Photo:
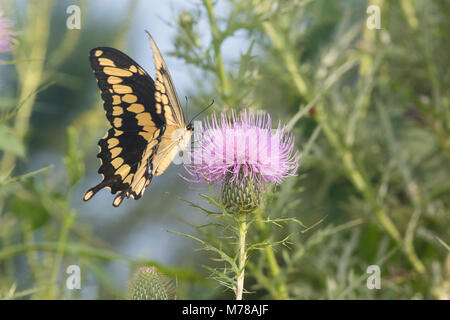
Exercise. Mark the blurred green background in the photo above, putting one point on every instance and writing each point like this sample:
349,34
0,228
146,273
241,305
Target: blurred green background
370,109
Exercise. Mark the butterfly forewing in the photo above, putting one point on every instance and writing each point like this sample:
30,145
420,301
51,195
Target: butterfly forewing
144,116
166,95
128,93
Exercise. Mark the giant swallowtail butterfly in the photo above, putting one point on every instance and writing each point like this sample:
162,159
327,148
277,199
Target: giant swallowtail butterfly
148,126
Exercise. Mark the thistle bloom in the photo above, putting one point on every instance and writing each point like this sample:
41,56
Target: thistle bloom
6,34
241,148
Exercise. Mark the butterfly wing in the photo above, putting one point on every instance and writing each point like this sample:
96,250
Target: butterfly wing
166,95
127,150
167,99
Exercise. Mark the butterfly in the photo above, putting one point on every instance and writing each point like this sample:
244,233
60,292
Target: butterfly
147,123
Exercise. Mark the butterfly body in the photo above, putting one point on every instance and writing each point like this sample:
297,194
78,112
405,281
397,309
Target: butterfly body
147,123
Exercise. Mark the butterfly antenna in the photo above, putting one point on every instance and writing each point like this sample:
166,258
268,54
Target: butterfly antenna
209,106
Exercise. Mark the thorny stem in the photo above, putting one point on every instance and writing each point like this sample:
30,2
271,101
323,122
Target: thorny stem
242,227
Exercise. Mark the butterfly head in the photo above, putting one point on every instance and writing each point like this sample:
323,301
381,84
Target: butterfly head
190,127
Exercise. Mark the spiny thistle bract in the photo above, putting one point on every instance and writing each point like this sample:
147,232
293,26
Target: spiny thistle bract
243,154
6,34
148,284
241,197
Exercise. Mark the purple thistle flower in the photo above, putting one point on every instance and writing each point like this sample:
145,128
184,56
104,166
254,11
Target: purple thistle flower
6,34
242,147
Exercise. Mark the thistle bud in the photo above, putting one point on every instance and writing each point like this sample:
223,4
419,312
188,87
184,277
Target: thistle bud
148,284
242,195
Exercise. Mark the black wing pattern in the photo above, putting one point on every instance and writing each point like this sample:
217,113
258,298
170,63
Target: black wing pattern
127,150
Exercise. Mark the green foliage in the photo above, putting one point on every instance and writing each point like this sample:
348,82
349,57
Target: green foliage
9,143
225,238
38,220
371,116
74,158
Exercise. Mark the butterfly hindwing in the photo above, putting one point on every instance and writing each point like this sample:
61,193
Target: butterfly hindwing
126,151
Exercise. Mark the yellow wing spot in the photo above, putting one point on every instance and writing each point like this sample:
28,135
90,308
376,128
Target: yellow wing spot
128,178
146,135
149,134
136,108
115,152
158,74
98,53
158,96
160,87
117,162
149,128
144,119
156,133
117,111
111,90
117,201
117,132
114,80
129,98
110,71
123,170
164,98
88,195
133,69
140,185
116,99
141,72
117,122
121,89
105,62
158,108
113,142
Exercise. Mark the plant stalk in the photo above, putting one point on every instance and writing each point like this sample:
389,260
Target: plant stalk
242,227
279,291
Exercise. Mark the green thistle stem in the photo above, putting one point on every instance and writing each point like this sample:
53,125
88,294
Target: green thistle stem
242,227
